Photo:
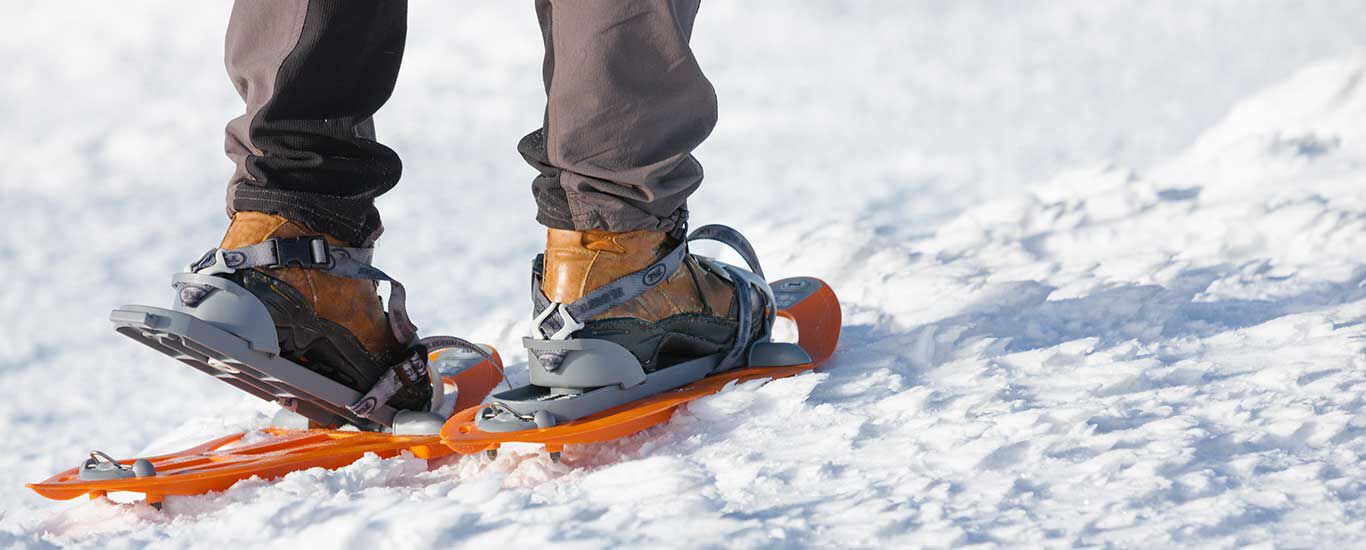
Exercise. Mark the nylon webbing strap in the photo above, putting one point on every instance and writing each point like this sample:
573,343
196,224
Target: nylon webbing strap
628,287
539,301
404,329
314,253
732,238
414,369
448,342
443,342
604,297
407,372
309,252
744,331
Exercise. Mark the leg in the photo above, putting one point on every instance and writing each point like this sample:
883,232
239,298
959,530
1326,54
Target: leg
312,73
626,105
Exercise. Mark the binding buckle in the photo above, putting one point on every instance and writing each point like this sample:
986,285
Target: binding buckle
212,263
306,252
569,325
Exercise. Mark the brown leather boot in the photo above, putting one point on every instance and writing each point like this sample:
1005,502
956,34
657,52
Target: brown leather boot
688,315
332,325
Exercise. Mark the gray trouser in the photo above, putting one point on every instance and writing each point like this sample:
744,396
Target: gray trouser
626,105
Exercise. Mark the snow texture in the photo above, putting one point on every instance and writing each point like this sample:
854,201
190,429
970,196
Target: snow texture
1102,285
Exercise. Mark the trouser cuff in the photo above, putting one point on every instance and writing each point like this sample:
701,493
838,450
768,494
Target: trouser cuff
354,221
558,209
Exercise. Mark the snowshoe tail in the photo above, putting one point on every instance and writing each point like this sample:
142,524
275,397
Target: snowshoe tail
217,464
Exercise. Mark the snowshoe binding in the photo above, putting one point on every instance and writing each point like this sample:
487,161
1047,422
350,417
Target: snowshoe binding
292,317
604,359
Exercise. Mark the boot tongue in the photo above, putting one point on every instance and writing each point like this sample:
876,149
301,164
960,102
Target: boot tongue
602,241
249,228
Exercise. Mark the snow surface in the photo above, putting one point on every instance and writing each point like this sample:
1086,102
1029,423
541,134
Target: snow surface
1088,300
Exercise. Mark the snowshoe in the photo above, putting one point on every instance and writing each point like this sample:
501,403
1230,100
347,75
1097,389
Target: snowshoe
586,386
292,318
273,452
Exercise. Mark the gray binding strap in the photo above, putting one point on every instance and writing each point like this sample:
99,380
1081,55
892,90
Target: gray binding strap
404,329
309,252
407,372
744,331
552,318
314,253
732,238
628,287
413,369
540,303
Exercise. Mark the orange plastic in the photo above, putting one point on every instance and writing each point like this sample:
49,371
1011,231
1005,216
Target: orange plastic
208,467
818,322
475,383
217,465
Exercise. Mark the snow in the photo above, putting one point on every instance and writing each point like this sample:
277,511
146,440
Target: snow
1100,263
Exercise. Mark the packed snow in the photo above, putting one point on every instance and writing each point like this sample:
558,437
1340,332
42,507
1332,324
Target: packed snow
1101,266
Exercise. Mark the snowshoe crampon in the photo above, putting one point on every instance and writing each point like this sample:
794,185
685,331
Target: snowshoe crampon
588,390
273,452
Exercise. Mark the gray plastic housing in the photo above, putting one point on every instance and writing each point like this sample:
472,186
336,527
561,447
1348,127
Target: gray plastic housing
586,363
102,471
203,332
777,354
226,305
792,290
99,470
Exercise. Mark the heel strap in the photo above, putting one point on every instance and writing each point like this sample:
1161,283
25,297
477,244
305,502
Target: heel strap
313,253
412,369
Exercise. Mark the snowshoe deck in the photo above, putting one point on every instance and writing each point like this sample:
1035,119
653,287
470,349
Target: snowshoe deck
218,464
816,313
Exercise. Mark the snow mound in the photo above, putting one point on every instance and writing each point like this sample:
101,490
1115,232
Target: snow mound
1108,358
1115,357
